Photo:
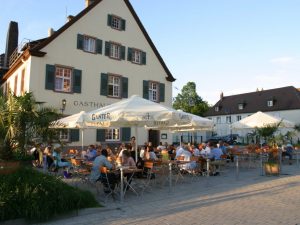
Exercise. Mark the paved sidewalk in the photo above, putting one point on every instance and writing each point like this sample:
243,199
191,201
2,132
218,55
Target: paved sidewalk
226,199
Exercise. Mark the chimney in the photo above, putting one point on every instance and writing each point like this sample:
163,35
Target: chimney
50,31
88,2
221,96
69,18
11,41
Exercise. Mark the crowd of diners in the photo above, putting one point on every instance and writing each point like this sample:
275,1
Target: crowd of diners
52,158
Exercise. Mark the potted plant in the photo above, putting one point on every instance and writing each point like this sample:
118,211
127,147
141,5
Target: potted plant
272,165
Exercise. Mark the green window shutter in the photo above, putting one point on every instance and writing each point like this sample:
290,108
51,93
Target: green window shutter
100,135
129,54
79,41
99,46
124,87
145,89
77,81
161,92
126,133
107,48
123,24
123,50
144,58
50,77
109,19
74,135
103,84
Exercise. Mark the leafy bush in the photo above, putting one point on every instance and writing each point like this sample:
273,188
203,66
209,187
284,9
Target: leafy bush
35,196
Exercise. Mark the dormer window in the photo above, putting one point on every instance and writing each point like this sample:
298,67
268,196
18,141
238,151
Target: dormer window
270,103
116,22
217,108
241,106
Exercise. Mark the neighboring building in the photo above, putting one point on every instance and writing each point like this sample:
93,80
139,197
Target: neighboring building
100,56
281,102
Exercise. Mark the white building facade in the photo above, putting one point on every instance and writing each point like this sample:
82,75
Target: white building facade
280,102
99,57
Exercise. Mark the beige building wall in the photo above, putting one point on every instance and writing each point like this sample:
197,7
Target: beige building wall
63,51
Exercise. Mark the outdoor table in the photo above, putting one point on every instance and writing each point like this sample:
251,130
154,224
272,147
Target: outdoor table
170,163
125,170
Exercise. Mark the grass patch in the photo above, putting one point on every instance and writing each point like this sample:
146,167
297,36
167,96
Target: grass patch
32,195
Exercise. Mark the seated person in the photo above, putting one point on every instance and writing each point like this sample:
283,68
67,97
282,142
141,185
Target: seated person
111,156
91,153
58,161
187,157
102,161
150,154
127,159
288,151
207,150
48,157
215,153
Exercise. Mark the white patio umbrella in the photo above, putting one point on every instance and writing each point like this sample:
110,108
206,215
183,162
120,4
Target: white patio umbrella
135,112
75,121
197,123
260,119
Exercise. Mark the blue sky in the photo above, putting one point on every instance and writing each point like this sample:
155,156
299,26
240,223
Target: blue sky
229,46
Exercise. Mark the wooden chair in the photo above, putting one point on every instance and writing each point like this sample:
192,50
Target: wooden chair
109,183
148,170
218,166
196,167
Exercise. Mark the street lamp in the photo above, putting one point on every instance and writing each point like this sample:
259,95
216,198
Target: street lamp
63,105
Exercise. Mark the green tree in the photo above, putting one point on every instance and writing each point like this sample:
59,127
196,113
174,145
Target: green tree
189,101
267,132
21,118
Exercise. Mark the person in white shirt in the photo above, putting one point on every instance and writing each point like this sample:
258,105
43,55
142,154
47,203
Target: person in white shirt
195,151
160,147
187,157
179,150
206,152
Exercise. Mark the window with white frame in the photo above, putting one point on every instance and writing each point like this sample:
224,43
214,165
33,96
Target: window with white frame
136,56
228,119
116,22
114,86
112,134
241,106
115,51
63,79
238,118
89,44
218,119
63,134
217,108
153,91
270,103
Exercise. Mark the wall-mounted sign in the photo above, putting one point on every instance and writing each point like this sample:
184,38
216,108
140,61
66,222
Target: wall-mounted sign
164,136
90,104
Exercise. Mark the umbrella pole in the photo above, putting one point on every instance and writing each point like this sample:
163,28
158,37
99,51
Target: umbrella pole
136,143
81,139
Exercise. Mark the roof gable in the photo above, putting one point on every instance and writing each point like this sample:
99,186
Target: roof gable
285,98
44,43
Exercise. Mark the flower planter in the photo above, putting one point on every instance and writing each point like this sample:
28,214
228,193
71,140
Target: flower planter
272,169
8,167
